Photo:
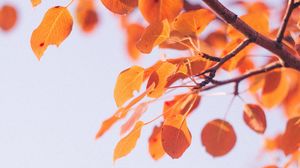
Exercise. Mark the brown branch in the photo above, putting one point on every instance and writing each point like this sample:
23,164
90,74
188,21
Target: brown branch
285,21
261,40
212,71
238,79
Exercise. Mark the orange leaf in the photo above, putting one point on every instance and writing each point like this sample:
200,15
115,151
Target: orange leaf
160,79
127,144
121,113
120,6
35,2
193,22
134,33
217,39
255,118
176,137
138,112
218,137
87,16
158,10
128,81
154,34
275,88
258,21
53,30
289,142
155,147
8,17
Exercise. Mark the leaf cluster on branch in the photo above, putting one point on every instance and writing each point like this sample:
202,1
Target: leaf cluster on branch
231,46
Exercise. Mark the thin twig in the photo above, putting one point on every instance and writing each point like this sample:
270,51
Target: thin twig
285,21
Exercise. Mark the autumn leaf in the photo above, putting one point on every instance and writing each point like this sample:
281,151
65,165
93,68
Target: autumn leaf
289,142
8,17
121,113
54,29
134,32
120,6
159,78
193,22
275,88
255,118
35,2
155,147
176,137
153,35
127,144
138,112
158,10
128,81
218,137
86,15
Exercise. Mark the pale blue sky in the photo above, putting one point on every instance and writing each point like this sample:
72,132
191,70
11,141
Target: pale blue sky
50,110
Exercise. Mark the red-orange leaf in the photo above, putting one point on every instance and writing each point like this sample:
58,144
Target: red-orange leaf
128,81
128,143
154,34
120,6
54,29
218,137
87,16
176,137
289,142
134,33
255,118
193,22
8,17
158,10
275,88
155,147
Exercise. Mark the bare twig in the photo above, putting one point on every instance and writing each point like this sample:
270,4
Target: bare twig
238,79
285,21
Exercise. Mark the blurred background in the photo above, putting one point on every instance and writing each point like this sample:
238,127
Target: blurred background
50,110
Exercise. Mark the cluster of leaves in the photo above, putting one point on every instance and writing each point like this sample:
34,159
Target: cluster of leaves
179,25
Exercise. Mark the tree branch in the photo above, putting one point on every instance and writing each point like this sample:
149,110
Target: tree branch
238,79
261,40
285,21
212,71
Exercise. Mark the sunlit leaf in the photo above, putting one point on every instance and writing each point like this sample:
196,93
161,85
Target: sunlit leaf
176,137
160,79
120,6
128,81
193,22
8,17
54,29
154,34
218,137
275,88
128,143
155,147
255,118
158,10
